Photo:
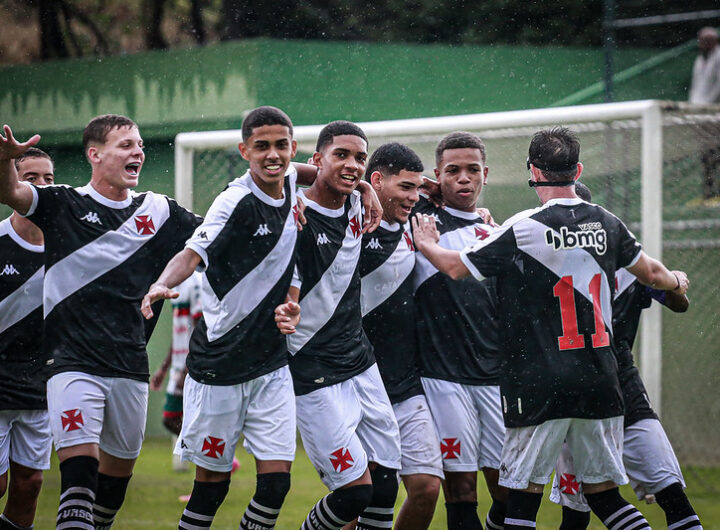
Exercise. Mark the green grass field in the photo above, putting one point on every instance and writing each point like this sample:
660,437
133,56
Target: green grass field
152,500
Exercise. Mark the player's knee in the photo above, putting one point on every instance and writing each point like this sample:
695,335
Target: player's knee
353,500
574,519
461,486
385,486
272,488
29,485
425,492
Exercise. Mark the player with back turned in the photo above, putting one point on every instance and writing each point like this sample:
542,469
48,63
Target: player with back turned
25,439
104,244
555,266
388,307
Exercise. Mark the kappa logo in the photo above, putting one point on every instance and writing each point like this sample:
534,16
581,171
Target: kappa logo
8,270
450,448
437,218
590,235
71,420
568,484
373,244
144,225
215,447
322,239
202,235
91,217
262,230
341,459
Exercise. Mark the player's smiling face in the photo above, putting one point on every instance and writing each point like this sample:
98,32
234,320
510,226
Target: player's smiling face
269,151
341,164
461,174
397,193
119,160
36,170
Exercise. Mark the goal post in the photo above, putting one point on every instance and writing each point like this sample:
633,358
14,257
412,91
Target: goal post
644,161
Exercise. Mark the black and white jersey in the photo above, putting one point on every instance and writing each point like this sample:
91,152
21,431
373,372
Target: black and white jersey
22,360
631,297
388,308
247,245
555,267
457,319
329,345
100,258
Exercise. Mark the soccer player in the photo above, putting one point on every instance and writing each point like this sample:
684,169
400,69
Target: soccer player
555,266
186,312
458,340
238,379
387,260
344,415
104,244
647,454
25,439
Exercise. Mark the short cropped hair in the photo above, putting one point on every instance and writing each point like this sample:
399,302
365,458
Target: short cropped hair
392,158
338,128
32,152
582,191
99,127
459,140
265,115
555,152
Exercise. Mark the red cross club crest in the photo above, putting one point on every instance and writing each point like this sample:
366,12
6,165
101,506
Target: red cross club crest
355,226
450,448
214,447
481,233
71,420
145,225
409,242
341,459
568,484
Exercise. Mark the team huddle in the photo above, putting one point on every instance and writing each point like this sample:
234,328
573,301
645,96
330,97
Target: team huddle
380,313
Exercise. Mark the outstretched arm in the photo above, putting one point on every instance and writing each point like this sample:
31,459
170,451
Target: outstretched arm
176,271
426,238
653,273
12,192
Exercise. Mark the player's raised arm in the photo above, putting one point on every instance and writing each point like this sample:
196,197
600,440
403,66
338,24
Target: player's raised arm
426,237
176,271
653,273
12,192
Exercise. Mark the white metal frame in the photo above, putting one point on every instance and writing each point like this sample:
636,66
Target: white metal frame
648,111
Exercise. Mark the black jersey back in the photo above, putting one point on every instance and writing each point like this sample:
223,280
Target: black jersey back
631,297
22,361
100,258
457,319
247,245
388,308
556,273
329,345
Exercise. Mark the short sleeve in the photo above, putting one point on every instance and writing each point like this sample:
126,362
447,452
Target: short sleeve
629,246
492,255
296,278
47,202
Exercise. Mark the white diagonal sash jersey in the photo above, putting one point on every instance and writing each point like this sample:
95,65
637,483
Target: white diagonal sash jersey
555,268
247,246
388,307
329,345
22,361
100,258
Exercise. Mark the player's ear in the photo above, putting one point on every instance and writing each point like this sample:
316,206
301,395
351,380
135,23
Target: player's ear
293,149
485,175
315,160
376,179
93,154
437,174
579,170
242,147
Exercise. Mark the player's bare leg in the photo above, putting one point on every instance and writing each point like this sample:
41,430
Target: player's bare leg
418,509
23,491
460,488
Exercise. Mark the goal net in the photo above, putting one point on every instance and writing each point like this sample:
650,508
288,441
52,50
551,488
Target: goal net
646,161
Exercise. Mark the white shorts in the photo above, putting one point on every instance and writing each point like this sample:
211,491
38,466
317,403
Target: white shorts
346,425
25,439
419,441
109,411
531,453
469,422
649,460
214,417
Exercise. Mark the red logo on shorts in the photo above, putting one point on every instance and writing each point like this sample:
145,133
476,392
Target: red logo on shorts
341,459
214,447
450,448
481,233
145,225
71,420
355,226
409,242
568,484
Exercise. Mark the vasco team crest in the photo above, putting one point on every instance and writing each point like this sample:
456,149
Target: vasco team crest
144,225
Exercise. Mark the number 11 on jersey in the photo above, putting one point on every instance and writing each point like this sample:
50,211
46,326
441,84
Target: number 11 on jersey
571,339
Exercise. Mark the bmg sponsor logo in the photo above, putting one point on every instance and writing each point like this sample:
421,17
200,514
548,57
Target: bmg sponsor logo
590,235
